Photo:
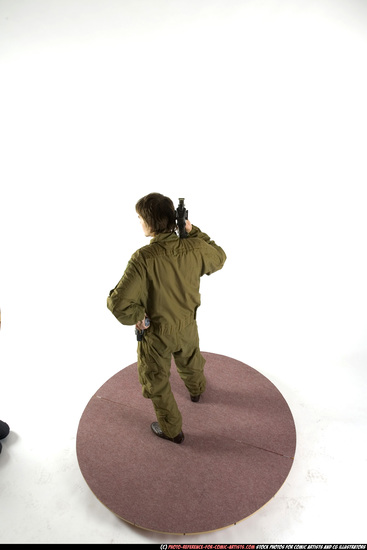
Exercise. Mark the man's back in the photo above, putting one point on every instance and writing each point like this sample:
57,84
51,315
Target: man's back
162,280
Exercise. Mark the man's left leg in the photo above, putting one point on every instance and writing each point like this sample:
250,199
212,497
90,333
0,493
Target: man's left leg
154,365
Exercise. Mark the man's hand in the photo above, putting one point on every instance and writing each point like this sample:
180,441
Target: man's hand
188,226
141,324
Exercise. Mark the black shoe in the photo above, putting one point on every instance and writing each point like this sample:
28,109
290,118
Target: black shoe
195,398
157,431
4,429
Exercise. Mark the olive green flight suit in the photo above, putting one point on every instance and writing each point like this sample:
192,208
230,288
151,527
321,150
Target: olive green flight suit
162,280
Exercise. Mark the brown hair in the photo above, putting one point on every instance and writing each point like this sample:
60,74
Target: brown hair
158,212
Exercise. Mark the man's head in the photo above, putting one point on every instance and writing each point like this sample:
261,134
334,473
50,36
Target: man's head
157,214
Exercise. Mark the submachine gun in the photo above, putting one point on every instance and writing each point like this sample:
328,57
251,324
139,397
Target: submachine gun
181,216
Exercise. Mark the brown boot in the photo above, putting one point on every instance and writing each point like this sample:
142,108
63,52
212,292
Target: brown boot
157,431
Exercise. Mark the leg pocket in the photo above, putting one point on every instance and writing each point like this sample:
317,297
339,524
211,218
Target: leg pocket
147,370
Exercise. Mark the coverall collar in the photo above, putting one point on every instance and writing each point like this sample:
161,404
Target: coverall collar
164,237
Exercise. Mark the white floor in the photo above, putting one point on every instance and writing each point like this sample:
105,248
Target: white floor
255,112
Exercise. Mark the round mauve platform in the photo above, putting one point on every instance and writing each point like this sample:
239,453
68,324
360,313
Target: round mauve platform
240,441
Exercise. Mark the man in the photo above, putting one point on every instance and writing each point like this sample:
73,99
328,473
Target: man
4,432
161,282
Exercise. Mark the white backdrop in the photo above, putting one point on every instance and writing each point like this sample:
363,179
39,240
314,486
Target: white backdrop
255,112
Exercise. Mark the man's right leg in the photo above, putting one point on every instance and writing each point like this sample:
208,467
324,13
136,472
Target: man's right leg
189,361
